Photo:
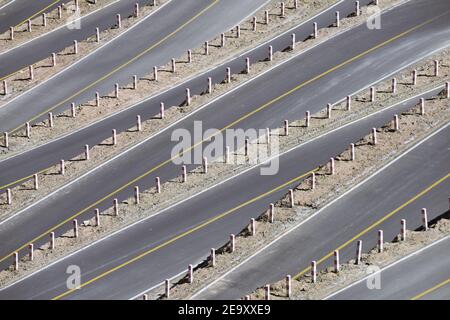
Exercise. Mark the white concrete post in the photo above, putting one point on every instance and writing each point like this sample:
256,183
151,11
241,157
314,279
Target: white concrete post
447,90
136,10
174,65
425,219
352,152
293,41
227,154
222,40
11,33
295,4
190,273
266,17
267,292
137,195
313,271
31,251
338,19
267,135
288,286
161,110
329,108
35,182
145,296
97,217
332,166
247,65
396,123
372,94
380,241
138,123
183,173
8,196
436,68
422,106
254,22
246,144
357,8
75,228
116,207
403,229
232,243
189,56
15,261
252,226
29,25
5,87
291,198
73,111
213,257
307,119
394,85
271,212
75,47
282,10
50,120
337,265
238,31
114,137
52,240
358,252
6,139
228,75
206,48
31,72
286,127
77,7
315,30
53,59
62,167
270,53
116,90
374,136
313,181
97,35
118,21
349,103
209,85
414,77
188,97
59,12
155,73
167,288
44,19
205,165
158,184
135,81
27,130
86,152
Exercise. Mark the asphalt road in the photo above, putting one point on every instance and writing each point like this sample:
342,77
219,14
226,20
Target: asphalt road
55,41
169,33
423,275
141,256
16,12
377,204
16,169
113,180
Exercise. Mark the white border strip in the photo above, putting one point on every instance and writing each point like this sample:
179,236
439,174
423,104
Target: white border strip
7,4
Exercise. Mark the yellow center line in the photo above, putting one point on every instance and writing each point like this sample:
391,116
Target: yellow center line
92,206
184,234
378,222
439,285
157,44
37,13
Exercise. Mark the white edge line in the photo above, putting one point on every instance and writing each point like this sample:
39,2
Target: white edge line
88,55
58,28
410,255
319,211
236,176
7,4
